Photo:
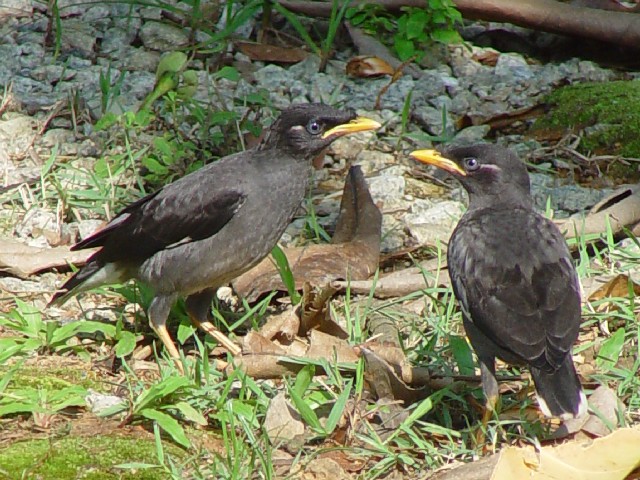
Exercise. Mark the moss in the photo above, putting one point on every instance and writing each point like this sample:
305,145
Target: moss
81,457
55,377
611,109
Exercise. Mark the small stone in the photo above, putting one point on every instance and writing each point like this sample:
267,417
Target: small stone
388,189
431,223
513,65
57,136
99,402
162,37
471,135
89,227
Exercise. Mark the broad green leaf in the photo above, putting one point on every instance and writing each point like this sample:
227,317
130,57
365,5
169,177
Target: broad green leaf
462,354
168,424
126,344
228,73
303,379
185,330
305,411
416,24
286,274
190,413
446,36
171,63
610,350
160,390
338,408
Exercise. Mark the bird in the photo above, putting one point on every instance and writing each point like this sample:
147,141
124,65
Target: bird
513,277
200,232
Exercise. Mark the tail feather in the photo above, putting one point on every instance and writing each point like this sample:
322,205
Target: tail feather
559,392
92,275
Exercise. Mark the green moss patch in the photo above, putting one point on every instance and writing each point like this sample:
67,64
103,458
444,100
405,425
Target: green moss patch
610,109
82,458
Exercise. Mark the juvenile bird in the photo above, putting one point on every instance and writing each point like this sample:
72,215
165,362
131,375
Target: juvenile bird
514,279
201,231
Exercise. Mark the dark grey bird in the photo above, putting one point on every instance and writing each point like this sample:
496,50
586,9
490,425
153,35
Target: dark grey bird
203,230
514,278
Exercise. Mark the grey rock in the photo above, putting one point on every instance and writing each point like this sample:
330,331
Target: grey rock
388,189
31,55
34,222
99,402
393,234
78,37
15,8
89,227
373,161
513,65
141,59
430,85
431,223
566,198
116,39
57,136
473,134
162,37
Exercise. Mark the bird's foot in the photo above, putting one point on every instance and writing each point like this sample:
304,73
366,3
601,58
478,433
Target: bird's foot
209,328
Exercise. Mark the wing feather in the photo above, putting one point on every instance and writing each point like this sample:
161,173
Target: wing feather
523,294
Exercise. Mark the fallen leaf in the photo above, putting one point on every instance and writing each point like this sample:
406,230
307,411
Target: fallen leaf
271,53
23,260
607,409
618,286
608,458
282,423
368,66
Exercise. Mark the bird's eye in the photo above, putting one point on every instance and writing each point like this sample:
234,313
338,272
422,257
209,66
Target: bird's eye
471,164
314,127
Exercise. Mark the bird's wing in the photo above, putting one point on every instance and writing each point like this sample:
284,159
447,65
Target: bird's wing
518,288
179,213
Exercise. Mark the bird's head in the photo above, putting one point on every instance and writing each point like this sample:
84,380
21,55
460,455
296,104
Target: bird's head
307,129
489,173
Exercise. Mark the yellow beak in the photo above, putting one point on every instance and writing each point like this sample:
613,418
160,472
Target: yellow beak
433,157
359,124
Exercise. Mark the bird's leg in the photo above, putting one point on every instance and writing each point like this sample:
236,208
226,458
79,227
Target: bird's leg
158,314
491,393
198,306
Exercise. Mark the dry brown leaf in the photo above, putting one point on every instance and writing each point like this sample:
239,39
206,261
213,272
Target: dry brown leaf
386,383
271,53
253,342
270,362
486,56
609,458
366,66
23,260
282,422
285,324
608,407
617,286
330,348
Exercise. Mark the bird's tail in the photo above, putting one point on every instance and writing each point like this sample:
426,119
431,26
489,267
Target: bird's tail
560,393
92,275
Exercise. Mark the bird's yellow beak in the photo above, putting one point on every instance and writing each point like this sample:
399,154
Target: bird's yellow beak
433,157
359,124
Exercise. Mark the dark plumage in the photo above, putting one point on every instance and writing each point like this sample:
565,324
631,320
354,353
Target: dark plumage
203,230
513,276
